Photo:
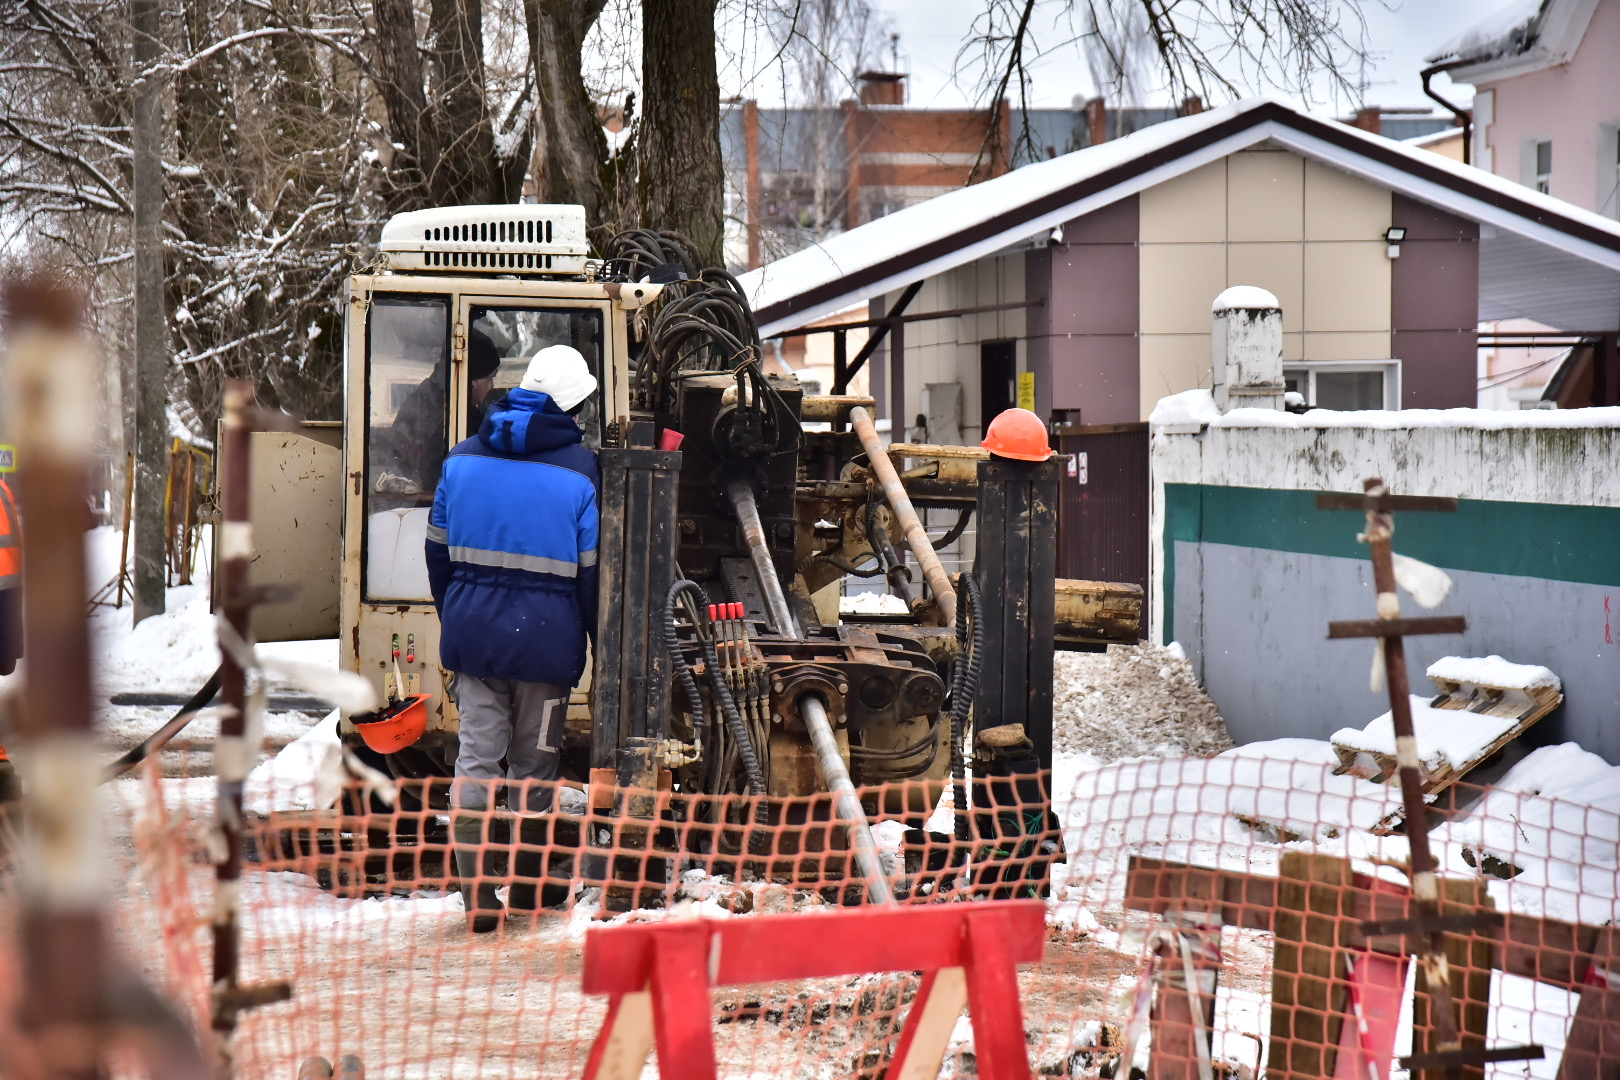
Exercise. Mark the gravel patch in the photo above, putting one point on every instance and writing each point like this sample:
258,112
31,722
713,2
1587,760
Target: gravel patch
1131,701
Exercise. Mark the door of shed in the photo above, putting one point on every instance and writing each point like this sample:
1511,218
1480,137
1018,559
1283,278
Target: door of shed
1103,514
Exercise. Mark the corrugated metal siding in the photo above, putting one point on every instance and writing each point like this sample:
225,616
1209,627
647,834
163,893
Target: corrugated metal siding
1103,523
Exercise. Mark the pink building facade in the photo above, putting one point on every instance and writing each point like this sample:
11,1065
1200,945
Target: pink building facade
1547,98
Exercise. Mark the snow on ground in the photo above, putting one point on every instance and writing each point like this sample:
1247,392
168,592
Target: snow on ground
1131,701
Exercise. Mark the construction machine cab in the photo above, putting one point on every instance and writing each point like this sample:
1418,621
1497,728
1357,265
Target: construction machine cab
438,331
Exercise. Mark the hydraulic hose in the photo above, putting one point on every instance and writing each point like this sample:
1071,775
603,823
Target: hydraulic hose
964,686
672,645
717,682
160,738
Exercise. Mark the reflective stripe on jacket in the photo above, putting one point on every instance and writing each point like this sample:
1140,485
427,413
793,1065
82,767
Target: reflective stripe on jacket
10,541
511,546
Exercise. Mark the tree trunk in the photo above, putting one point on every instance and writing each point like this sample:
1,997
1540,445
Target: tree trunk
151,333
463,172
682,183
401,84
570,148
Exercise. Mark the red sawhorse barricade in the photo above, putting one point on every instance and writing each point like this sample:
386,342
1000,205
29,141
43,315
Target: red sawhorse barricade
659,977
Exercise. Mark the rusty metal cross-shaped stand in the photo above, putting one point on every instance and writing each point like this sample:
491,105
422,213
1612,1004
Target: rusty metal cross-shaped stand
1428,925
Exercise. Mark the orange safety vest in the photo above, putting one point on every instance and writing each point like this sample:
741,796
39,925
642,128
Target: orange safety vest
10,541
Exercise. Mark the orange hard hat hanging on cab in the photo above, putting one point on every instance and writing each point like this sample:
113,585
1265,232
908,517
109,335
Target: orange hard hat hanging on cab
1018,434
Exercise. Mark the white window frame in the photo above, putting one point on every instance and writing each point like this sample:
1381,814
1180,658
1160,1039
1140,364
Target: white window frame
1536,179
1390,369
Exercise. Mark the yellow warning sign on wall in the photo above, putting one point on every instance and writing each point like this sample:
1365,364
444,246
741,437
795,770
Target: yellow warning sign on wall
1026,390
8,458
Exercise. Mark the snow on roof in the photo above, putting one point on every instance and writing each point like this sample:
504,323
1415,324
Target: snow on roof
1197,407
1493,671
969,223
1508,30
1524,36
1434,137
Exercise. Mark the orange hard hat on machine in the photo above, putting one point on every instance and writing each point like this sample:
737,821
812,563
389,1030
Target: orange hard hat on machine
1017,433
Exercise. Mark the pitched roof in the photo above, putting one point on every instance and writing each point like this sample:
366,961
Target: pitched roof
963,225
1525,36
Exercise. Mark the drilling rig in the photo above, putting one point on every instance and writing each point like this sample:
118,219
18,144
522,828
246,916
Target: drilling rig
734,506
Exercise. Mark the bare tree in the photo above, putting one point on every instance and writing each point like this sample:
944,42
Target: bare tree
1212,48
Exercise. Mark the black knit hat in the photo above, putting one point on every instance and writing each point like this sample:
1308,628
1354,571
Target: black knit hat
483,358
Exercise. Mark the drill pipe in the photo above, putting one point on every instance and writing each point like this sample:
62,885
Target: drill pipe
813,711
916,535
742,501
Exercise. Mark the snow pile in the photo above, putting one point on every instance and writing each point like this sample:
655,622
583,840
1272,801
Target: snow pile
306,775
871,603
1400,419
1493,671
1190,408
1131,701
1445,737
1243,297
1553,824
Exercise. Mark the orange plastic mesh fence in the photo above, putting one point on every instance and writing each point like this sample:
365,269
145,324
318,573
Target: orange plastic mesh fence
1251,875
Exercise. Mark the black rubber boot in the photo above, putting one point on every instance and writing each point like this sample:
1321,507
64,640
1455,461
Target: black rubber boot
477,886
529,870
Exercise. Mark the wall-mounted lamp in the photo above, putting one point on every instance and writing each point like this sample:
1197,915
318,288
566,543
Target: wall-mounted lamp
1393,237
1057,235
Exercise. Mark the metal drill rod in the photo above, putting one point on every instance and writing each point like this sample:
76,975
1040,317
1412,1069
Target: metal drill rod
742,501
916,536
846,802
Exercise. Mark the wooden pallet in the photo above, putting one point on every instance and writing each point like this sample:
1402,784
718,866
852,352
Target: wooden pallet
1516,709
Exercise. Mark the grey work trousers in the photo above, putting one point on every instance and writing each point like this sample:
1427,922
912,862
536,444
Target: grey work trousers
503,718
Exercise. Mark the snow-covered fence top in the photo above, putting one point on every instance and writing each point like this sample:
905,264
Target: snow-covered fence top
1246,572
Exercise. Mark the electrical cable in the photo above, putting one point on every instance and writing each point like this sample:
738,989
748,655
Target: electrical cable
964,685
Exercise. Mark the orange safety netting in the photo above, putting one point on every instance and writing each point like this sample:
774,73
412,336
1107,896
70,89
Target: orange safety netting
1198,910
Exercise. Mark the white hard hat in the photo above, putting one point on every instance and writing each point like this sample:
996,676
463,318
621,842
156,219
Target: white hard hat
560,372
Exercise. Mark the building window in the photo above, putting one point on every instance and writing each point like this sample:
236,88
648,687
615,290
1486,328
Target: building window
1346,385
1543,176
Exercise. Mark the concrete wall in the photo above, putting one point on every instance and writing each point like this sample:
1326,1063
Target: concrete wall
1247,573
1575,105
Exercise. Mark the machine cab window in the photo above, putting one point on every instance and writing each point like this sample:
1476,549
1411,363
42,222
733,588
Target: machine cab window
517,333
408,356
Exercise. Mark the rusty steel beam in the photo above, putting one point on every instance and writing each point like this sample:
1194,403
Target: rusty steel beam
916,536
75,994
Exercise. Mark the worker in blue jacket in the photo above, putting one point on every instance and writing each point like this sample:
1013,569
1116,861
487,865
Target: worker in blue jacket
511,555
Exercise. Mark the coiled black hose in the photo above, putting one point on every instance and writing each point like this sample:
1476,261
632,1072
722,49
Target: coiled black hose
717,681
964,685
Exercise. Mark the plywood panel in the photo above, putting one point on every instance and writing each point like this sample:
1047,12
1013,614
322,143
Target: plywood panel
1265,196
1190,208
1279,268
1179,282
1347,286
1339,206
1171,363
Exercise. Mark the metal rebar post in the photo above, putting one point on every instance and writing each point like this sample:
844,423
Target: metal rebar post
916,536
63,938
846,801
230,750
1425,886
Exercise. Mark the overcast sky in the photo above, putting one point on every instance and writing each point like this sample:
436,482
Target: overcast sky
1400,35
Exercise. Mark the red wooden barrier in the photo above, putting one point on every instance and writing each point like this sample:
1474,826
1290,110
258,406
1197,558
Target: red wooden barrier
659,977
